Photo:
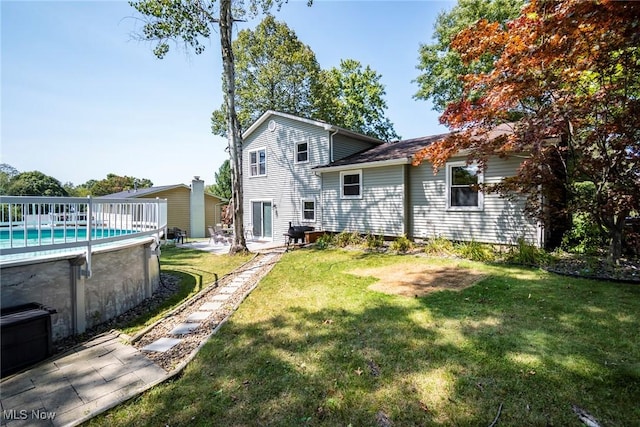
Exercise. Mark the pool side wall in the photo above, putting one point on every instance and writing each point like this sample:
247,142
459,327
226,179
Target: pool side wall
121,279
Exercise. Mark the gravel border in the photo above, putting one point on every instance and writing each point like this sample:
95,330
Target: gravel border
176,358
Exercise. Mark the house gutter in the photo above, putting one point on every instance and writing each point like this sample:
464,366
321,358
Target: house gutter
351,166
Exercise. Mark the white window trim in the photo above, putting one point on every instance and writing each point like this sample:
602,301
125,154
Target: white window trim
258,164
448,180
295,152
315,209
350,172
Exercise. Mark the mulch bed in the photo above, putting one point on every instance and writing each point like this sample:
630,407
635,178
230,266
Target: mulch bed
626,271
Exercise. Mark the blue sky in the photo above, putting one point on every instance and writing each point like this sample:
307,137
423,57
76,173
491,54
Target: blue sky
80,98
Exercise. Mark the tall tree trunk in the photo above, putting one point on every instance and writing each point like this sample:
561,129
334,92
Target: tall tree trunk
233,127
616,234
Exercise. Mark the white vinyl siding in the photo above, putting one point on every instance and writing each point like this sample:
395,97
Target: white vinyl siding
379,210
343,146
287,181
501,220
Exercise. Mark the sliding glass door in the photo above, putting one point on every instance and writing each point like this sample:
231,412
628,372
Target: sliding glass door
262,219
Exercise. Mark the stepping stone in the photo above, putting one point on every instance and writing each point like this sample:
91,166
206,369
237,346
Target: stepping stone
161,345
184,328
221,297
198,316
211,306
228,289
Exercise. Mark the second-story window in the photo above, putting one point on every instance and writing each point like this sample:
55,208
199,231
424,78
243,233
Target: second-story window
302,152
258,162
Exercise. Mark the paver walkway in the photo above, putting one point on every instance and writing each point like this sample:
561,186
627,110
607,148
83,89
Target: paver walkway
98,374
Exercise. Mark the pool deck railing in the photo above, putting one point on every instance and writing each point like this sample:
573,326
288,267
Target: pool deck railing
35,224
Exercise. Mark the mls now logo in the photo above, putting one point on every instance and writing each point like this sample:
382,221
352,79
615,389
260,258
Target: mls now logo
23,414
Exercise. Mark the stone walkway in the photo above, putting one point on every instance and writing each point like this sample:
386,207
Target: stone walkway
101,373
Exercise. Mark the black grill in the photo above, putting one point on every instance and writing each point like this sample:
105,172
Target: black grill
296,232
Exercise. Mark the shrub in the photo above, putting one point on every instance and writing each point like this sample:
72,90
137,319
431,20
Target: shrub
324,241
525,253
373,242
475,251
346,238
401,244
585,236
439,246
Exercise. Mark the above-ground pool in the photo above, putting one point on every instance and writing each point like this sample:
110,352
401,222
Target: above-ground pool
16,238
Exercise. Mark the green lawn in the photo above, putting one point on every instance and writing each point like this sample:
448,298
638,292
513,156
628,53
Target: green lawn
313,345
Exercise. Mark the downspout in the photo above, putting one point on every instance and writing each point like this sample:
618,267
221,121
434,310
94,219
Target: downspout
407,211
331,144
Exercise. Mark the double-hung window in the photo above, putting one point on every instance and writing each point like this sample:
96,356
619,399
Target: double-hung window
258,162
463,186
308,210
351,184
302,152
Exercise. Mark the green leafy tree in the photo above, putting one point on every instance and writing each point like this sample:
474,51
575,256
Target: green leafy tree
441,66
353,98
570,69
71,189
35,183
191,22
7,173
274,71
222,186
83,190
114,184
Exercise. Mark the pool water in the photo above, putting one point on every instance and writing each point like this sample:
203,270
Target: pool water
58,235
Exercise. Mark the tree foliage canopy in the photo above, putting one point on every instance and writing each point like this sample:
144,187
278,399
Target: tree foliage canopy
442,66
222,185
274,71
353,98
569,70
7,172
35,183
114,184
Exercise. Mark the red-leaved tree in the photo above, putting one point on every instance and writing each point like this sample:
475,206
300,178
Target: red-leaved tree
567,85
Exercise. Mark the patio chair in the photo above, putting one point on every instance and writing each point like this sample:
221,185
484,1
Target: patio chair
179,235
217,235
248,231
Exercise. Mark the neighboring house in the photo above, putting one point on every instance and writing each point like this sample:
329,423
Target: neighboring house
189,208
312,173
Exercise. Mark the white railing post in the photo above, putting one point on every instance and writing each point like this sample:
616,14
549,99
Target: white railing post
87,271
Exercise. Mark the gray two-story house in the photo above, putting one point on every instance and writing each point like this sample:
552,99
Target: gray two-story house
280,152
311,173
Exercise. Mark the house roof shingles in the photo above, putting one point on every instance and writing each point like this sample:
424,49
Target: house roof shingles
399,150
141,192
